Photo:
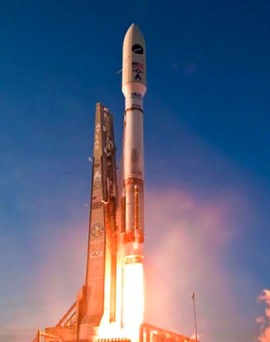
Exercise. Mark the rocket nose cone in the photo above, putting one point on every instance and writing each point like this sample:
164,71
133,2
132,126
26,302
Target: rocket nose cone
134,36
134,30
134,63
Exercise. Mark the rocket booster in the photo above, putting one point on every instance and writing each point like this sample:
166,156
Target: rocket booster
134,89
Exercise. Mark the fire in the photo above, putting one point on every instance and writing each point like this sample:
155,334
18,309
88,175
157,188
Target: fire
110,331
133,299
131,306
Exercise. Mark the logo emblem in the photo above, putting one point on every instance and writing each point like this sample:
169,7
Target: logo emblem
97,230
138,49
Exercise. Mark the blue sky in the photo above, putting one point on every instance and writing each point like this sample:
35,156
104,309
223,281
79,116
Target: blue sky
207,159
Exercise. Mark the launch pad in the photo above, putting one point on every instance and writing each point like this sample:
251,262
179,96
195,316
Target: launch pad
147,333
109,306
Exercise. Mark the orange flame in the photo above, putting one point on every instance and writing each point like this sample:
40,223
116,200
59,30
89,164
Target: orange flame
133,300
131,306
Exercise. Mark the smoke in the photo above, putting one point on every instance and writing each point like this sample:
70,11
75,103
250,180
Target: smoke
16,335
187,242
264,321
51,288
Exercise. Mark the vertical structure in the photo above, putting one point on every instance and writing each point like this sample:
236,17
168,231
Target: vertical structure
100,282
134,89
101,258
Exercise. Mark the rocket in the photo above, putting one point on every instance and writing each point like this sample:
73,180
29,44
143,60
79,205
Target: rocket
134,89
132,201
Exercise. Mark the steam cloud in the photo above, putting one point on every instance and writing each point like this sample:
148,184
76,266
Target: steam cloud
264,321
187,241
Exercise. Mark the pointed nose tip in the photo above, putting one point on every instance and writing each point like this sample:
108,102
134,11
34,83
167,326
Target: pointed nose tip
133,28
134,64
134,34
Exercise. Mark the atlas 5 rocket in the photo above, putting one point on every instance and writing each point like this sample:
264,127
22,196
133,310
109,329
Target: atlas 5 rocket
134,89
132,227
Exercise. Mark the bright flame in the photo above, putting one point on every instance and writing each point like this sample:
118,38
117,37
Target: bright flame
130,305
110,330
133,299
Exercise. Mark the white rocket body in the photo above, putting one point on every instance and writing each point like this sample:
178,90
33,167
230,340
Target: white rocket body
133,88
132,208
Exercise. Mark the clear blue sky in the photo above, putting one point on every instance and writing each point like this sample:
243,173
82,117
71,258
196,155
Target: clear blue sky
207,156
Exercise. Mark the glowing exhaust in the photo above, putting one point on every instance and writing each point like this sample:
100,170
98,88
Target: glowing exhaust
133,299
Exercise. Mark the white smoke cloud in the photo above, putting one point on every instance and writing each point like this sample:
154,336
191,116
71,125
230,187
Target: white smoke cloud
264,321
187,241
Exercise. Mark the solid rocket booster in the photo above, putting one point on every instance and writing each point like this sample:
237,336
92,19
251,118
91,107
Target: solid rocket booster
134,89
